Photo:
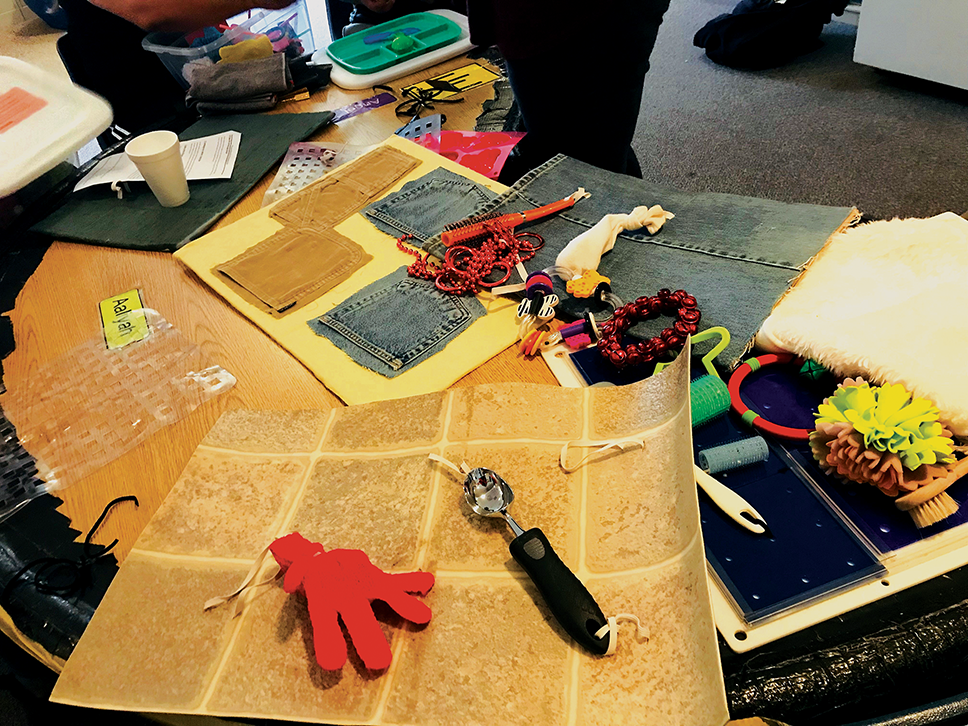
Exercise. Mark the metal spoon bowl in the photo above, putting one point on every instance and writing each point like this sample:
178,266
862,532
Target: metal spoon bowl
488,495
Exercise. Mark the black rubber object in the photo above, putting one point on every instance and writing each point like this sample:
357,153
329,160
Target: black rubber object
568,599
891,656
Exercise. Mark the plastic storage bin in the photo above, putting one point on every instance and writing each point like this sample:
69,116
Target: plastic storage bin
178,56
55,118
288,29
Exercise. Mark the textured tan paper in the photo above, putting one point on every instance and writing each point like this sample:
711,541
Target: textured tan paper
360,477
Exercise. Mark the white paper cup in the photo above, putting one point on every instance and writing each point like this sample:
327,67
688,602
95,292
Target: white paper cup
157,155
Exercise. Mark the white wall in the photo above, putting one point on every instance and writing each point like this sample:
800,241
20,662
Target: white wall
922,39
318,20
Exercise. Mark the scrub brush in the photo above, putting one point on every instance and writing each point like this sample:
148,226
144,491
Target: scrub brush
931,504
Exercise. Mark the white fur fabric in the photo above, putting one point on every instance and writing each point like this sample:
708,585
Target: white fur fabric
887,301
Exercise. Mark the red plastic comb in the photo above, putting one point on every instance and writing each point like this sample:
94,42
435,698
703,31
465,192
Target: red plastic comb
472,228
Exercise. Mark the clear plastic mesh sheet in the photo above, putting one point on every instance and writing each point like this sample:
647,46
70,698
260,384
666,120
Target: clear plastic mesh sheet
88,407
304,163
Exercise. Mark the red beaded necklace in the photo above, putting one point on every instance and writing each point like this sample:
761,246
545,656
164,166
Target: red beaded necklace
465,269
678,304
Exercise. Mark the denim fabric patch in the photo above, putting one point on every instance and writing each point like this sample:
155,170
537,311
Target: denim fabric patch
737,255
426,205
397,322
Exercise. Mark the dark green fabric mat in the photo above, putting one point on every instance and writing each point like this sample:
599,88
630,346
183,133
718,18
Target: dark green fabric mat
96,215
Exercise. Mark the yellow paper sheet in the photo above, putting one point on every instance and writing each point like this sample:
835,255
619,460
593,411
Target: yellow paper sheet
359,477
484,338
463,79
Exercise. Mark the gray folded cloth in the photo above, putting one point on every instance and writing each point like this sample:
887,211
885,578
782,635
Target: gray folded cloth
243,80
253,104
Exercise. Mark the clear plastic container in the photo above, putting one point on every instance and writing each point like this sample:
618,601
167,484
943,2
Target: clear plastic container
179,56
288,29
62,118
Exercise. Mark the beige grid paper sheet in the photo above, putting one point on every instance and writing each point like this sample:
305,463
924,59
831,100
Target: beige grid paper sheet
360,478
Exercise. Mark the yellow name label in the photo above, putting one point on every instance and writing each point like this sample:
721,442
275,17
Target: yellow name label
462,79
123,319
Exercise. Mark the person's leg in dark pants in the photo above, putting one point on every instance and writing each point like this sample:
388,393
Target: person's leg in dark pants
585,102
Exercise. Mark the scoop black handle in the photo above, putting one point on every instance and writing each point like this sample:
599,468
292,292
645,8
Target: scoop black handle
567,598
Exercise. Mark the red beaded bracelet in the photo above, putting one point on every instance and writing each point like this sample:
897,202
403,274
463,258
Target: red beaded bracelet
679,304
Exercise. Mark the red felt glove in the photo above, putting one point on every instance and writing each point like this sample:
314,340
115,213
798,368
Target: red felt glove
343,583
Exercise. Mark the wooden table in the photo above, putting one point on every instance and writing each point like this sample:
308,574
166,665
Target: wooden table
58,309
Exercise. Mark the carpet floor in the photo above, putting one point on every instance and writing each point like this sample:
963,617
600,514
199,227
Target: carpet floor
821,129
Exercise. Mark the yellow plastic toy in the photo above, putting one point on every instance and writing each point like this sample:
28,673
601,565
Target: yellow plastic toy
707,360
586,285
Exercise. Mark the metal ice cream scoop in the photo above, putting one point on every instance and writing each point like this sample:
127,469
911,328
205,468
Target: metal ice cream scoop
567,598
490,496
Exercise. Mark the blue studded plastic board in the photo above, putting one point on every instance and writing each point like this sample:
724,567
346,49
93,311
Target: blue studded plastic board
810,551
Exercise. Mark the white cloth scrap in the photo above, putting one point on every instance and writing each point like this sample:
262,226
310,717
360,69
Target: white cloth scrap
585,252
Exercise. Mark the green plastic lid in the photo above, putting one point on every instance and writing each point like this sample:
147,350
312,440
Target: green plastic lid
393,42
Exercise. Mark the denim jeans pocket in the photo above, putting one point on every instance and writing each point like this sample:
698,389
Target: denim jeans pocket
424,206
397,322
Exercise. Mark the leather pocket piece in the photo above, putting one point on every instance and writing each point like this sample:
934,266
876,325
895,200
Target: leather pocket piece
344,191
294,265
308,257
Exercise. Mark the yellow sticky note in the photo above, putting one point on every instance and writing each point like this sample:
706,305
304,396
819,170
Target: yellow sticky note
463,79
123,319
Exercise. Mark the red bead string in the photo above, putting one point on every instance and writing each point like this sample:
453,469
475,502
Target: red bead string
465,269
420,267
678,304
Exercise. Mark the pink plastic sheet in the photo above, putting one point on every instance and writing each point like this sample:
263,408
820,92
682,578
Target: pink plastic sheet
483,151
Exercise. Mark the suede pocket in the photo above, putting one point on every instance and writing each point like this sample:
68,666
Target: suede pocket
294,265
344,191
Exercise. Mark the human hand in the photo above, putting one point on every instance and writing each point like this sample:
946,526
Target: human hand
343,583
378,6
275,4
183,15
